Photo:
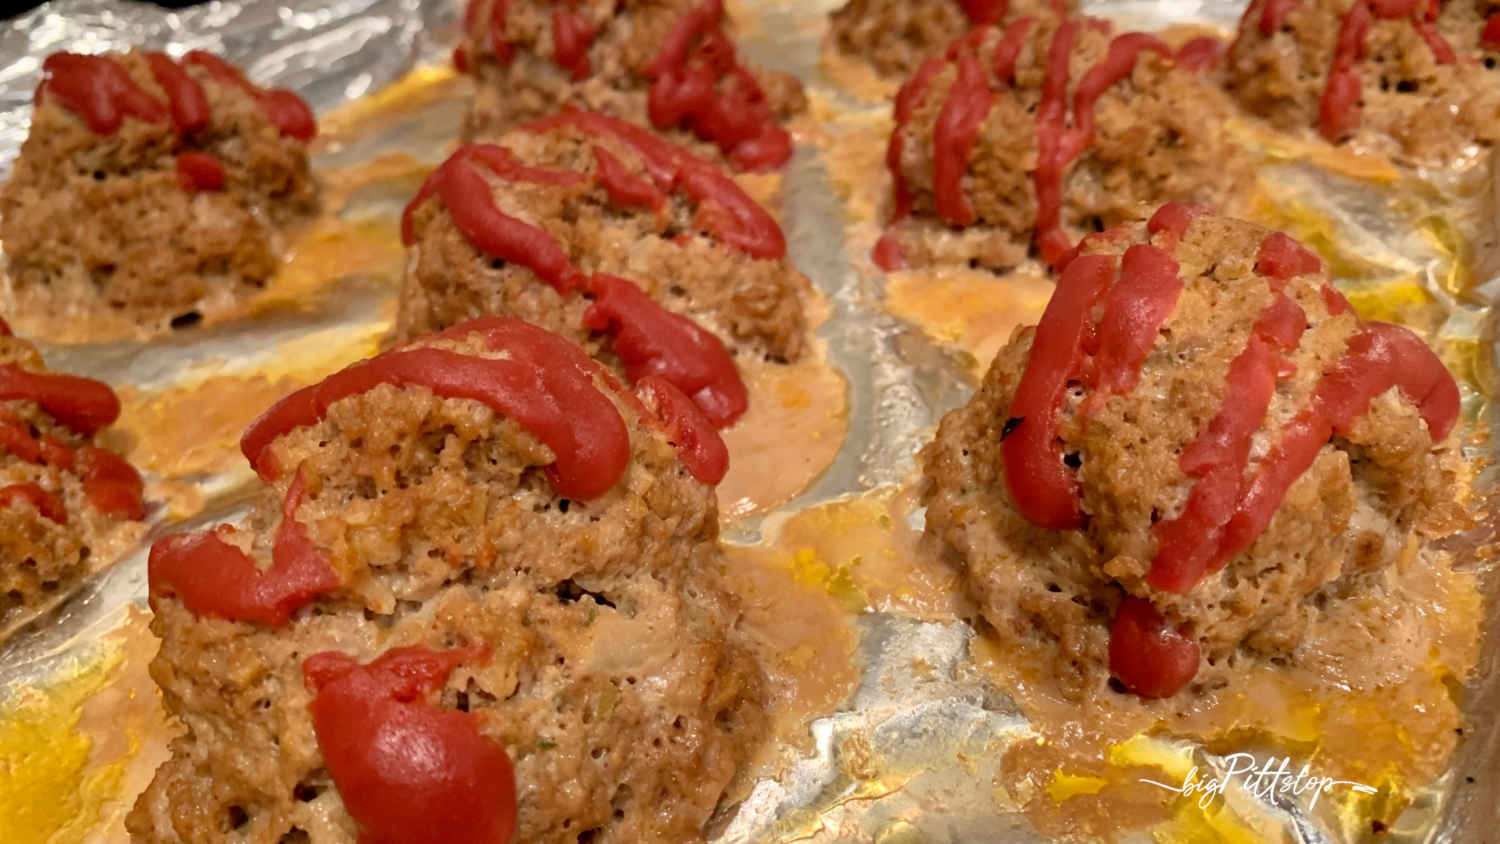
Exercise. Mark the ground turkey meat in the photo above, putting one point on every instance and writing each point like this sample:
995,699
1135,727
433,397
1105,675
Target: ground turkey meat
666,64
65,502
894,36
589,632
991,152
167,198
703,249
1424,91
1113,477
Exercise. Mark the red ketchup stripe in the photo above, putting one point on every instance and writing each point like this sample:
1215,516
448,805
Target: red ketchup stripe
214,578
98,89
554,401
1274,15
984,12
1200,54
501,46
1171,221
689,430
1490,37
112,486
887,254
199,172
1008,51
1054,146
1117,65
624,187
15,436
1135,309
82,404
746,226
1338,109
408,772
697,82
286,111
1281,258
50,506
185,98
5,329
653,341
963,113
1044,488
1380,357
572,35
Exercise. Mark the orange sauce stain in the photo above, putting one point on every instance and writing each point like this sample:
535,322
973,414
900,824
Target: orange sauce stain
392,105
970,309
796,424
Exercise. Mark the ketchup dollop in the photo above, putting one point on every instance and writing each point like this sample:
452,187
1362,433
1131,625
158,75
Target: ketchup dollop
198,171
545,384
214,578
50,506
82,404
1149,656
697,82
689,430
185,97
408,772
286,111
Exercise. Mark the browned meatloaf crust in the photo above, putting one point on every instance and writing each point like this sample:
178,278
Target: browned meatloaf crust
894,36
617,683
41,558
755,306
1159,136
100,223
628,36
1334,538
1417,110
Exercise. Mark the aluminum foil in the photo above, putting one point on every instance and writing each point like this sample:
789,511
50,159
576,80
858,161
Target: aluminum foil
912,757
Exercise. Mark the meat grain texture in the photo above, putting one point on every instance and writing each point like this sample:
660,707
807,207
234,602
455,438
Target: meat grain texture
617,681
1159,136
101,223
1417,110
530,81
894,36
757,307
1334,540
41,559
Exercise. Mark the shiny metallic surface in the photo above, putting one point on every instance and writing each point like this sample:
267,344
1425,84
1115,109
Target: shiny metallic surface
912,757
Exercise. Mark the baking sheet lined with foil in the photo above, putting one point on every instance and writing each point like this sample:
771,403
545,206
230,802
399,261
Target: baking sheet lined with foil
913,755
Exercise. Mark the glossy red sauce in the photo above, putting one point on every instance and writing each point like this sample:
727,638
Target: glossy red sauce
572,35
1043,486
1135,309
653,341
1379,358
624,187
1281,258
112,486
984,12
98,89
186,100
546,385
1171,221
1274,15
5,329
215,578
50,506
1200,54
913,92
408,772
82,404
957,128
697,82
689,430
286,111
197,171
1490,37
649,339
1150,657
742,223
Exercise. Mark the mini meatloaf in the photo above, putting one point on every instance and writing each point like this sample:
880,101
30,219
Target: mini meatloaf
475,550
153,187
1412,79
1196,453
1045,130
894,36
66,504
599,231
666,64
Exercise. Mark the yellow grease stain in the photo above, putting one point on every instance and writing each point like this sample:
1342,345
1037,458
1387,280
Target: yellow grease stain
972,310
1065,785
